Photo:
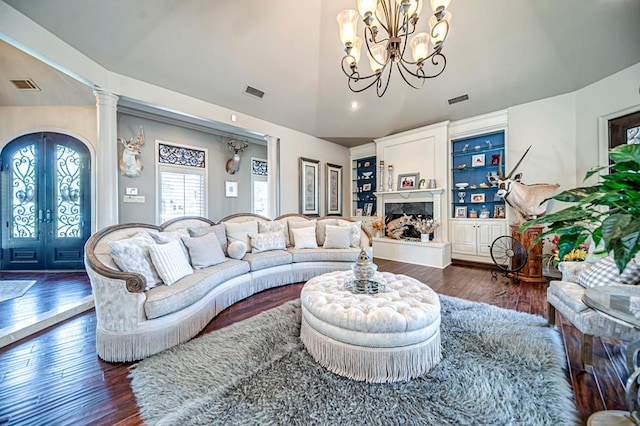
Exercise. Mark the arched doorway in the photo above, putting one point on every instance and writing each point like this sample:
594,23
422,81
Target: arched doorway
45,200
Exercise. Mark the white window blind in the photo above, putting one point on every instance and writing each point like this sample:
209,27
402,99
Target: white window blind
182,193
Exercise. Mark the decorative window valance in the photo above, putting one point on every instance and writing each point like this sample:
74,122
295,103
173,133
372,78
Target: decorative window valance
181,156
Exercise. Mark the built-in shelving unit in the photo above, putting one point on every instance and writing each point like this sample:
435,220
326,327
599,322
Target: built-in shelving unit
475,168
363,184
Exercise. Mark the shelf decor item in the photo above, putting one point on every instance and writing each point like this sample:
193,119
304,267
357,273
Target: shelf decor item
381,177
390,183
461,212
477,160
408,181
477,198
461,196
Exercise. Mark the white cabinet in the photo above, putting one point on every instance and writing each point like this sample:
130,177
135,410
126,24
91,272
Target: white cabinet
471,239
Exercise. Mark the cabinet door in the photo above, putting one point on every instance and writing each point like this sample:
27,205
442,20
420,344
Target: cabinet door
487,233
463,237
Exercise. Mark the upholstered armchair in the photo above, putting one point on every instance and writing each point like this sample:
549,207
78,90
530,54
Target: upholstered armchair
565,297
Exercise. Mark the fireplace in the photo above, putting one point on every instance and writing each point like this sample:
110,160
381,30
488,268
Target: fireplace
418,214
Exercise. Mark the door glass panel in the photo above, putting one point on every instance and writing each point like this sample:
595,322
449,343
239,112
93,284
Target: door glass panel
68,189
23,168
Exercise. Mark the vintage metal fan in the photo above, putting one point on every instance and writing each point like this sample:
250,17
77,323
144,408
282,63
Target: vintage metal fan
509,255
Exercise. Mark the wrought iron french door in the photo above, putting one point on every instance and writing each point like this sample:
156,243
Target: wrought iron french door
45,202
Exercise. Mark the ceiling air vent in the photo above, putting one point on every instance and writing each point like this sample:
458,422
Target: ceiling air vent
458,99
25,84
253,92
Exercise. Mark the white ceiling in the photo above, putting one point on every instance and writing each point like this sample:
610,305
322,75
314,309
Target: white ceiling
500,52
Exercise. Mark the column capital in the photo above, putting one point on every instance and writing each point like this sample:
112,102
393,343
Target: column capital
105,98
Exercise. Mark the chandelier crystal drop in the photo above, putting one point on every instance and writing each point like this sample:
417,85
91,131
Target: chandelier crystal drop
388,27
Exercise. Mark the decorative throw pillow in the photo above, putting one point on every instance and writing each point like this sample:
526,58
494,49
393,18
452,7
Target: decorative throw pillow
237,250
356,231
298,225
204,251
170,261
320,229
267,241
132,255
338,237
219,230
275,226
168,236
240,231
305,238
605,272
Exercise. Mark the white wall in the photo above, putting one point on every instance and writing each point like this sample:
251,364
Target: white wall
548,126
608,98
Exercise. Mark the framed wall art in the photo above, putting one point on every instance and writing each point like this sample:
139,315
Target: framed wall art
461,212
408,181
309,186
477,160
230,189
334,189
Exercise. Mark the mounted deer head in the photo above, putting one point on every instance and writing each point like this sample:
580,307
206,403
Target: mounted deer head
130,162
233,164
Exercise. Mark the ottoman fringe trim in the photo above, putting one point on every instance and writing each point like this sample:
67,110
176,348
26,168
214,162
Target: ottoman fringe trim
373,365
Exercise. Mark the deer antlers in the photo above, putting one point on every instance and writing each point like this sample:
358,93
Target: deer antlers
235,149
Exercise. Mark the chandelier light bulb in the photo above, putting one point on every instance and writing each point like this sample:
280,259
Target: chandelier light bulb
367,7
355,52
377,57
437,5
420,47
348,25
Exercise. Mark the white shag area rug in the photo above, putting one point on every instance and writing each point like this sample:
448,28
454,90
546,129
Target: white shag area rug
10,289
499,367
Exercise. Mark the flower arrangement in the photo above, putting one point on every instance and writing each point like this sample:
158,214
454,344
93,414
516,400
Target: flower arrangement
427,226
378,225
578,254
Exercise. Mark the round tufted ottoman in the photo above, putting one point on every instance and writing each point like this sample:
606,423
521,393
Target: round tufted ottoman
383,337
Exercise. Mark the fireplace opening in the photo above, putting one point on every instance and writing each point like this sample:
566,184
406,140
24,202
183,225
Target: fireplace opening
407,220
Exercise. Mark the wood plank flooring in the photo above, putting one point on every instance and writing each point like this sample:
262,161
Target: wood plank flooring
55,377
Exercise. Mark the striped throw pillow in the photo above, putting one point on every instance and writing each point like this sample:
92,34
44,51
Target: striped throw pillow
170,261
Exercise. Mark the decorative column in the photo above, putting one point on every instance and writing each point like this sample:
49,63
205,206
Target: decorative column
107,161
273,175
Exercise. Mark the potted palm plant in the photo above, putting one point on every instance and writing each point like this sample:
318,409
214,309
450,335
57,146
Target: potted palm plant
608,211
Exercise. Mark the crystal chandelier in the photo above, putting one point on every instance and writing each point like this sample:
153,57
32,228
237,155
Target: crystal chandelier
388,25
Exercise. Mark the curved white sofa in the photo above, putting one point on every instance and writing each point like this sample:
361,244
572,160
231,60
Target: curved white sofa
134,323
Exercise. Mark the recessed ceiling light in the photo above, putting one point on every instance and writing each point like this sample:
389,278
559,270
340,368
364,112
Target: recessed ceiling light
354,105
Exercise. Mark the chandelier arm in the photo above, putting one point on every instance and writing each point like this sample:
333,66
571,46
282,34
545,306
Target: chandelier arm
386,86
369,49
354,81
422,79
434,58
385,12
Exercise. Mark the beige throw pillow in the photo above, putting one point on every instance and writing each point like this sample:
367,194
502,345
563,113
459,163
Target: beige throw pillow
267,241
275,226
132,255
204,251
300,224
356,231
321,229
305,238
239,231
219,231
338,237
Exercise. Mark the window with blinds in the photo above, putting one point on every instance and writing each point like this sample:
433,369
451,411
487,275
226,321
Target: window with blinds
182,187
182,194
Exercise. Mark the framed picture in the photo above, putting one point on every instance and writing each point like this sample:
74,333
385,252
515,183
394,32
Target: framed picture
408,181
366,187
359,212
309,186
477,160
334,189
230,189
498,211
461,212
368,207
477,198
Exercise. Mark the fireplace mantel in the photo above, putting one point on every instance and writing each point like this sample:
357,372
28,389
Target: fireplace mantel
414,195
410,193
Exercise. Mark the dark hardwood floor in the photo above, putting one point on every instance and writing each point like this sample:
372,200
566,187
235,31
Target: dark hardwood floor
55,377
